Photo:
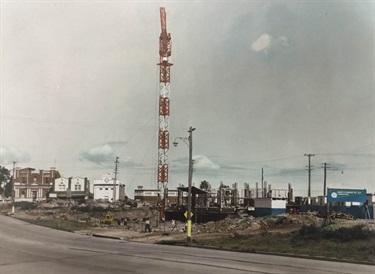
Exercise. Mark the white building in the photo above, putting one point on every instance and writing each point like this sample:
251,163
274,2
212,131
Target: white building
103,189
76,187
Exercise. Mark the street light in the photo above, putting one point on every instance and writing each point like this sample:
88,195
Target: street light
13,189
189,142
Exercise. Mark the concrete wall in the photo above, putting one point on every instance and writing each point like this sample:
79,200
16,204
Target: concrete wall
259,212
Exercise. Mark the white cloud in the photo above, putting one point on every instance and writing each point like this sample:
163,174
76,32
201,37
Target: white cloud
98,154
262,43
203,163
265,42
8,154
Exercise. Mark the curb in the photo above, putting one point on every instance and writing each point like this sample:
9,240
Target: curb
270,253
104,236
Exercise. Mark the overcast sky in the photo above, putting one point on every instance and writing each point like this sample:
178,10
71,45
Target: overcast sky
263,83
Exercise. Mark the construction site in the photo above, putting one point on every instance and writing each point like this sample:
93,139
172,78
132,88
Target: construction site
203,136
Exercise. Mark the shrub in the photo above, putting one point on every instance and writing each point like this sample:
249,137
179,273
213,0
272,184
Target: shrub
309,233
346,234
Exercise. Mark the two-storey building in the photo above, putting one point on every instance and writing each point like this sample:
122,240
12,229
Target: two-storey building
103,189
30,185
73,187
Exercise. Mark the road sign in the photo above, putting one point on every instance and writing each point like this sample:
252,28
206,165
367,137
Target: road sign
346,195
186,214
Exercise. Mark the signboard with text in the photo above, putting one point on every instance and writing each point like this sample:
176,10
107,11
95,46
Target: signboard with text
346,195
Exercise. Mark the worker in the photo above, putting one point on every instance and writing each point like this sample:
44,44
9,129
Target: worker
147,225
173,225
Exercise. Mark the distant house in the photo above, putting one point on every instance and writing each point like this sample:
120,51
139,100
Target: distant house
102,189
153,195
31,186
147,195
75,188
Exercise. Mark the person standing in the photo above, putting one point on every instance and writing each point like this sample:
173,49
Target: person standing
147,225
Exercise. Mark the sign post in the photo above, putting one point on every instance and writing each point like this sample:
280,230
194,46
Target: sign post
188,223
344,195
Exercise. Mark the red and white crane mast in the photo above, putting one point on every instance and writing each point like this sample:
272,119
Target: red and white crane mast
165,50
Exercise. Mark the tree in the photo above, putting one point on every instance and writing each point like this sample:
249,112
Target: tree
205,185
5,181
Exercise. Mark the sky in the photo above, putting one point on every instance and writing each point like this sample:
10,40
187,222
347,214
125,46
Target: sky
263,83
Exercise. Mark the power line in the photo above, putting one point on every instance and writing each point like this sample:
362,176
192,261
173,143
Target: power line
73,123
347,152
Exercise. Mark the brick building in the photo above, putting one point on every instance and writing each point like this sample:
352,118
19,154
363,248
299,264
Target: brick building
30,185
152,195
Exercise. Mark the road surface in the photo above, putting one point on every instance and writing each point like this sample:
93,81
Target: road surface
27,248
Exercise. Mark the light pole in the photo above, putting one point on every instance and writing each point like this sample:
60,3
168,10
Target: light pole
189,142
114,183
13,190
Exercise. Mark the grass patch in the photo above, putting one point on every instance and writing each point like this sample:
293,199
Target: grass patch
353,243
61,224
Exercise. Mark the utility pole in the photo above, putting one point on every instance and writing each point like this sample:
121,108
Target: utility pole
309,186
114,182
262,185
14,167
189,142
325,166
188,239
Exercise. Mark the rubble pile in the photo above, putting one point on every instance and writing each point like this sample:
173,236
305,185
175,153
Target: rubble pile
340,215
129,222
251,224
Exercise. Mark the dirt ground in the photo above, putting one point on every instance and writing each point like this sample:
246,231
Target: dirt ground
134,227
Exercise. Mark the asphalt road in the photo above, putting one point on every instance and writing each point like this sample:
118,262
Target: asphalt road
26,248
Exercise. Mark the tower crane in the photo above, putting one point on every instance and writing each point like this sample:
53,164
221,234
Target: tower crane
165,50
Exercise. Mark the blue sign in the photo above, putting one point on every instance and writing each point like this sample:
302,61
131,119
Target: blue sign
346,195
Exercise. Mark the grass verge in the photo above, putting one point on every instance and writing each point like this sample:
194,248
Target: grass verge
353,244
61,224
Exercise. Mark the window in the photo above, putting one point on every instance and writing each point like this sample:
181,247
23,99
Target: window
101,188
61,187
106,188
77,187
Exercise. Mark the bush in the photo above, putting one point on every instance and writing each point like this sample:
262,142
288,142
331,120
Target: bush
308,233
346,234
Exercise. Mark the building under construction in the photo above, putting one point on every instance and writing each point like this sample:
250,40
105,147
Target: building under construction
216,204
